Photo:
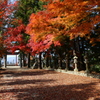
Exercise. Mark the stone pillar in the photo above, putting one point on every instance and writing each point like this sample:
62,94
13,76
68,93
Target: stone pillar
75,62
86,63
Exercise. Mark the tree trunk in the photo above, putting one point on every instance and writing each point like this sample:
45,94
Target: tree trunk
23,57
60,62
0,62
67,63
21,60
81,51
5,61
47,62
40,61
29,60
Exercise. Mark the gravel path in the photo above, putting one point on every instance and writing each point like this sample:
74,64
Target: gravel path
46,85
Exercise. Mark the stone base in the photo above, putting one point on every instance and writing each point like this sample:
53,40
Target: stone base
76,73
75,70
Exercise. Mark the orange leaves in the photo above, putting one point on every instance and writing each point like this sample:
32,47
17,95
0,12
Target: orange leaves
42,30
63,18
38,25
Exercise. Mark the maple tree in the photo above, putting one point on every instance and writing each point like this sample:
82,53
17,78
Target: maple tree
3,5
25,9
64,18
15,37
6,16
60,19
71,19
8,21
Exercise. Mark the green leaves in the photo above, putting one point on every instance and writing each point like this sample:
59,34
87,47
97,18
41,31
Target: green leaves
26,8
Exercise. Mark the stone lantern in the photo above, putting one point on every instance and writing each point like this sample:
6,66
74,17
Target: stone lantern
75,62
86,62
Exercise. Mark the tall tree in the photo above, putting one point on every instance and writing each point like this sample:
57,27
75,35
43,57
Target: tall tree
16,35
71,19
26,8
3,5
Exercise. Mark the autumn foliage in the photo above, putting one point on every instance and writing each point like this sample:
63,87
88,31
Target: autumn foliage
40,40
14,38
3,4
62,18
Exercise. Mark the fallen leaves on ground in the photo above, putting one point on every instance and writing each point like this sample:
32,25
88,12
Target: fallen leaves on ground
36,84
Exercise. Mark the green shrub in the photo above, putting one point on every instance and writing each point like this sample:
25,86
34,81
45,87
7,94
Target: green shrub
95,68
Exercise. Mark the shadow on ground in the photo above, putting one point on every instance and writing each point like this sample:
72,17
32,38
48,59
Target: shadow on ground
41,89
25,72
25,82
61,92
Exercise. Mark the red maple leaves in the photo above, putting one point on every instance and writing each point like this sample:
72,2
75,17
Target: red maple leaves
61,18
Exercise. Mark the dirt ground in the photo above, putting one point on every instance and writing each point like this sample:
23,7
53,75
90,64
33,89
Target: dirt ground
36,84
